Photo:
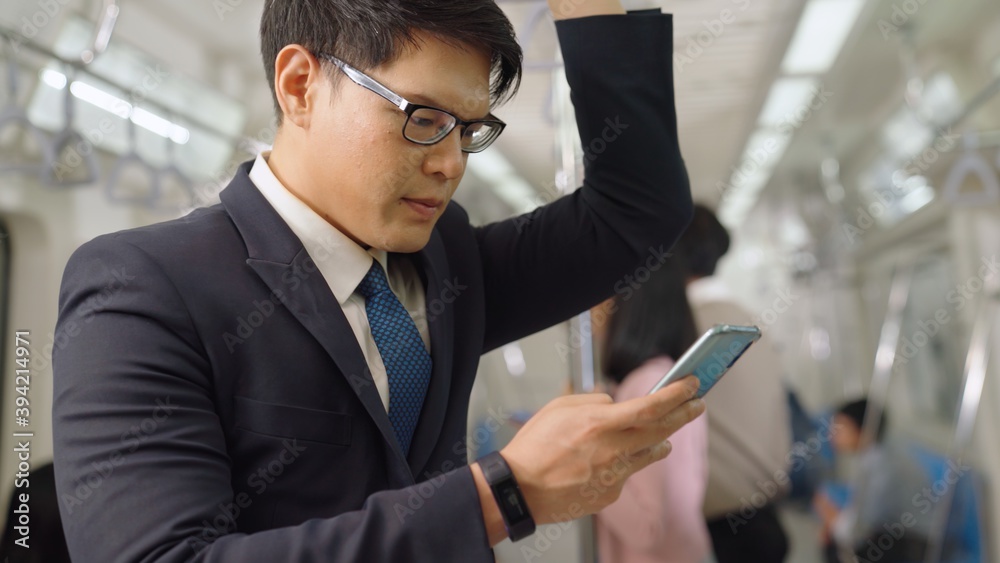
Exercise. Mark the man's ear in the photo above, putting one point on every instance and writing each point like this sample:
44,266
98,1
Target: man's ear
297,80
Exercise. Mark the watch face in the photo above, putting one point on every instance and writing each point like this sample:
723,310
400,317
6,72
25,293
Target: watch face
514,502
516,516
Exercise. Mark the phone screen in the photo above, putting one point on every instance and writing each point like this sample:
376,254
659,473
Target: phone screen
711,356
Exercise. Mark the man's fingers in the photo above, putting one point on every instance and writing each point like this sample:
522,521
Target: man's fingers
650,408
640,459
584,399
641,437
658,451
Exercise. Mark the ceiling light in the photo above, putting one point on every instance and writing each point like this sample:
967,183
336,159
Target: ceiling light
101,99
54,79
491,167
119,107
765,148
821,33
160,126
905,136
917,199
787,99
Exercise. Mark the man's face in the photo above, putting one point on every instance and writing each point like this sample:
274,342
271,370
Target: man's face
358,170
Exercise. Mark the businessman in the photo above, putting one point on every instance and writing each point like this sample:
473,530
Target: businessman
285,376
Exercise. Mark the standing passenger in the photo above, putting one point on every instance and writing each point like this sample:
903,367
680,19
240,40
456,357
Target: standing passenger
304,351
749,432
658,517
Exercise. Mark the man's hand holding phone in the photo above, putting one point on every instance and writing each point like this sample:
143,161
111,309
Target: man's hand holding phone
572,458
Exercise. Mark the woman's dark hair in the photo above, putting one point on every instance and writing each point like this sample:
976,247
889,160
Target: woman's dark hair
369,33
856,411
704,243
654,320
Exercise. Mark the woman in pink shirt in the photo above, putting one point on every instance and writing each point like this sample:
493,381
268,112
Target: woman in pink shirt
658,517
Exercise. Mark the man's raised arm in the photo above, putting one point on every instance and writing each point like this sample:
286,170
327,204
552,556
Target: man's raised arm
548,265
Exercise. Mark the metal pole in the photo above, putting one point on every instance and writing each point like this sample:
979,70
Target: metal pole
974,379
885,358
569,164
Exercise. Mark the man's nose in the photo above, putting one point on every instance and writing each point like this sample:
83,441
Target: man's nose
446,158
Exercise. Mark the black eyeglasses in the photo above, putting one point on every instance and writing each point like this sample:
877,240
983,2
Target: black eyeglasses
426,125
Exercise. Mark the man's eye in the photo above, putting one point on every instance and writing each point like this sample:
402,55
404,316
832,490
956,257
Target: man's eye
421,122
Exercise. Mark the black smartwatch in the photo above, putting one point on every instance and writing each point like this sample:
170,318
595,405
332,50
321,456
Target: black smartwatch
507,493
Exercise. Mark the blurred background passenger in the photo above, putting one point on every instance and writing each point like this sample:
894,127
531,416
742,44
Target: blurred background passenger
748,419
657,518
878,516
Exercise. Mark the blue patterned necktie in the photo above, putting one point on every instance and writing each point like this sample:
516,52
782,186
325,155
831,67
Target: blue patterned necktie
407,362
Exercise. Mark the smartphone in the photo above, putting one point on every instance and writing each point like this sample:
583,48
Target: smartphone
711,356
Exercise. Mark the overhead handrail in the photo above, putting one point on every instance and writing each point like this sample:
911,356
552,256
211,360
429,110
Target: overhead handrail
172,172
149,102
534,20
61,173
105,29
973,381
113,189
970,163
15,115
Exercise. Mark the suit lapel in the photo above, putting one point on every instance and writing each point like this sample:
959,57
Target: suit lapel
277,256
433,264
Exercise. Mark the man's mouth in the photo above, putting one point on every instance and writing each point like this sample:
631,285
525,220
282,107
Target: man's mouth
424,207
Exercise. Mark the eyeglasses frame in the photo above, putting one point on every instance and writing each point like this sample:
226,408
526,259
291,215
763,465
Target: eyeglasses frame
407,107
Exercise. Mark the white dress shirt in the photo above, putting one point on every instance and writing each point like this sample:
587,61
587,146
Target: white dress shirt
343,264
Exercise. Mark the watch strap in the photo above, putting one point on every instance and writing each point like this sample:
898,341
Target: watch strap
513,508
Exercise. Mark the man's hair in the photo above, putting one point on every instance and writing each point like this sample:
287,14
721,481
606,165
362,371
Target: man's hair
369,33
704,243
856,411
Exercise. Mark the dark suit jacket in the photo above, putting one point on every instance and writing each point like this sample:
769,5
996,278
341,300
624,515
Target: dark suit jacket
212,403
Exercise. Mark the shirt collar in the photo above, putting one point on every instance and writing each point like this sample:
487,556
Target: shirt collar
342,261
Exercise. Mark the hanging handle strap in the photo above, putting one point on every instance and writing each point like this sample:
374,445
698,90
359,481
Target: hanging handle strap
105,29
